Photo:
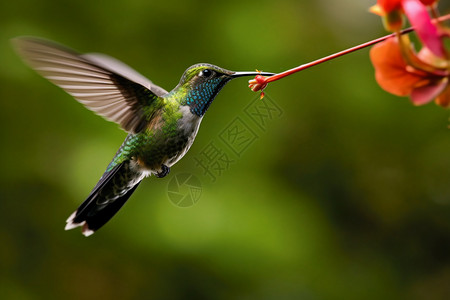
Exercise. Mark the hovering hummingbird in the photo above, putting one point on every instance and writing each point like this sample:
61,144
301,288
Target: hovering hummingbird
161,125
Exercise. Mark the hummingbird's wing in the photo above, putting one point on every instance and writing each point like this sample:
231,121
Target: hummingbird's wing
103,84
118,67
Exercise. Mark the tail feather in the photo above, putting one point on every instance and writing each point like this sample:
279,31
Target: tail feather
105,200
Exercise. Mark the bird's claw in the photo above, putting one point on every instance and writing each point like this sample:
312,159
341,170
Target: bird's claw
164,171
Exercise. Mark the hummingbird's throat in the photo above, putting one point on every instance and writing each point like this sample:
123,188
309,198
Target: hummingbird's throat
202,95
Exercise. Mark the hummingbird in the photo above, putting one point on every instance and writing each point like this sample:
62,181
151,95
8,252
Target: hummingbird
161,125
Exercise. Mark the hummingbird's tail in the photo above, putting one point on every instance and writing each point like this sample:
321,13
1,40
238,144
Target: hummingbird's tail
107,197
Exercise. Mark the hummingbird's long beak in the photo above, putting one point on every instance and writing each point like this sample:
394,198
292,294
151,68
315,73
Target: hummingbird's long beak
240,74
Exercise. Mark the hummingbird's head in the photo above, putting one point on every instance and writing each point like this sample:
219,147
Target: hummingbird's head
202,82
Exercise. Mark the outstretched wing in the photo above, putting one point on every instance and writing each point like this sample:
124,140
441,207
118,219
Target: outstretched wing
101,83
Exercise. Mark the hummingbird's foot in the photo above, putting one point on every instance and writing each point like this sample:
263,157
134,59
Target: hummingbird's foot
164,171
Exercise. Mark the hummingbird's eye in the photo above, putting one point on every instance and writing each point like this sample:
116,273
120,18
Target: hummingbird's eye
206,73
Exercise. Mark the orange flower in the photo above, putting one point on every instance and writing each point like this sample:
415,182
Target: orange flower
387,6
258,84
397,77
391,13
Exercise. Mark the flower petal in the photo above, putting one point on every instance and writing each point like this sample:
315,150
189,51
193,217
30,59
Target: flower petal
420,19
427,93
391,71
428,2
389,5
444,98
377,9
258,83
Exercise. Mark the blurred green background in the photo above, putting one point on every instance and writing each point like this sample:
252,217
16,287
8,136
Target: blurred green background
346,195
